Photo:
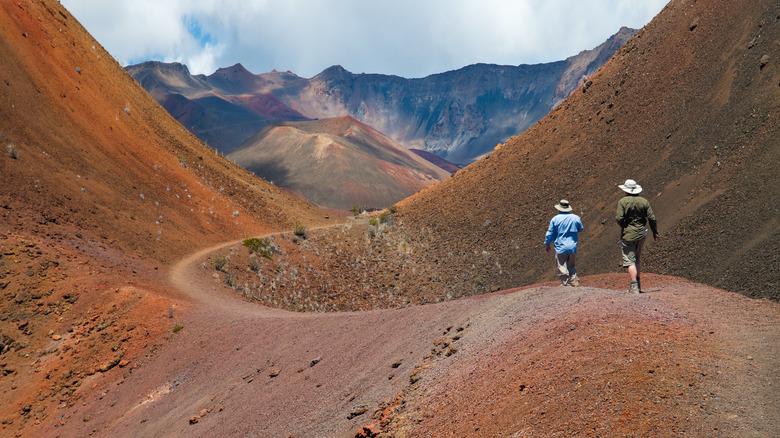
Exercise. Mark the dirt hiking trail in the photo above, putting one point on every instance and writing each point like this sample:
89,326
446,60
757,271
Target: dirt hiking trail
537,361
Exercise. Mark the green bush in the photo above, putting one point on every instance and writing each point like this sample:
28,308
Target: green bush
373,222
11,148
300,230
384,216
259,246
219,262
392,209
177,328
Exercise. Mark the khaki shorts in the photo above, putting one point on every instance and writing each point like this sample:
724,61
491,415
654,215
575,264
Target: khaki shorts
631,251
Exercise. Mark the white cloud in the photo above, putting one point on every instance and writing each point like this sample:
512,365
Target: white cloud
410,38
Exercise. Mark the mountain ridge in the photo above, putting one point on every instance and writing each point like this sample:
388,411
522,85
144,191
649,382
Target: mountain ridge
459,115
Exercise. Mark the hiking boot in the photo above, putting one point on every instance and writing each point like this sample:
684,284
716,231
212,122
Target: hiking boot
574,282
634,288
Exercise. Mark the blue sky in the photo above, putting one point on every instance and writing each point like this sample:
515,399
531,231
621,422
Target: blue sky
409,38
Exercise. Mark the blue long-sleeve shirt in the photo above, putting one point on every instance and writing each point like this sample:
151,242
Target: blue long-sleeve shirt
563,232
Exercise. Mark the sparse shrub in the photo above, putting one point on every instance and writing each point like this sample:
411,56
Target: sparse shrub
259,246
384,216
219,263
182,162
11,148
373,222
177,328
392,209
356,210
230,281
300,230
254,264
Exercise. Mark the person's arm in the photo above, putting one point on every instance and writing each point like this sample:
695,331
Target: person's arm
652,222
620,214
548,238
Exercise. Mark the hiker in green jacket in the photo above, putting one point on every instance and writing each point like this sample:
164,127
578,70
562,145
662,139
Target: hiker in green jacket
633,213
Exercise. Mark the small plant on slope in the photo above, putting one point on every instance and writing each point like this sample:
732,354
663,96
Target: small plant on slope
219,263
259,246
300,230
11,148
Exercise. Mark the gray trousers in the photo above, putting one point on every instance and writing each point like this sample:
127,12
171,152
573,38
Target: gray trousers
565,265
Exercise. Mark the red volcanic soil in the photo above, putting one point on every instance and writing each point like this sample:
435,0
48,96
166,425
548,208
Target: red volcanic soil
115,320
682,359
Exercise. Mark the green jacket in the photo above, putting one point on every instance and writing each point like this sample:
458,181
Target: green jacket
633,212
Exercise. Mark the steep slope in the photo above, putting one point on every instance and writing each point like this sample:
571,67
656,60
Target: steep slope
458,115
689,108
100,191
92,150
336,163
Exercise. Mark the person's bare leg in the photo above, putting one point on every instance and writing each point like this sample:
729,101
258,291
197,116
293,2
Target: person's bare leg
633,272
638,264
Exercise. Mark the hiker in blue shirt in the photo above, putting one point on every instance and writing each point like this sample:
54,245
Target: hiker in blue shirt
563,233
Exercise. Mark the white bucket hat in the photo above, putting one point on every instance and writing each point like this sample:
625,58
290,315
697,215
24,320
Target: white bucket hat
563,205
631,187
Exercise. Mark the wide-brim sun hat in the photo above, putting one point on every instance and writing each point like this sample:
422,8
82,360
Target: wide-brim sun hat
563,205
630,187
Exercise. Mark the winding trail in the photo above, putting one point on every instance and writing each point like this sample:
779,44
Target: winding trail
242,369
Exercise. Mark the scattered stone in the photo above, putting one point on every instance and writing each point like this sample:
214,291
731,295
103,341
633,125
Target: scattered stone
56,337
357,411
123,363
763,61
586,86
275,372
315,361
369,431
108,365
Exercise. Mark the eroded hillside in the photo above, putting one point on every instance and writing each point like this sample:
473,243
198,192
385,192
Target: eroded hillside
689,108
100,190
